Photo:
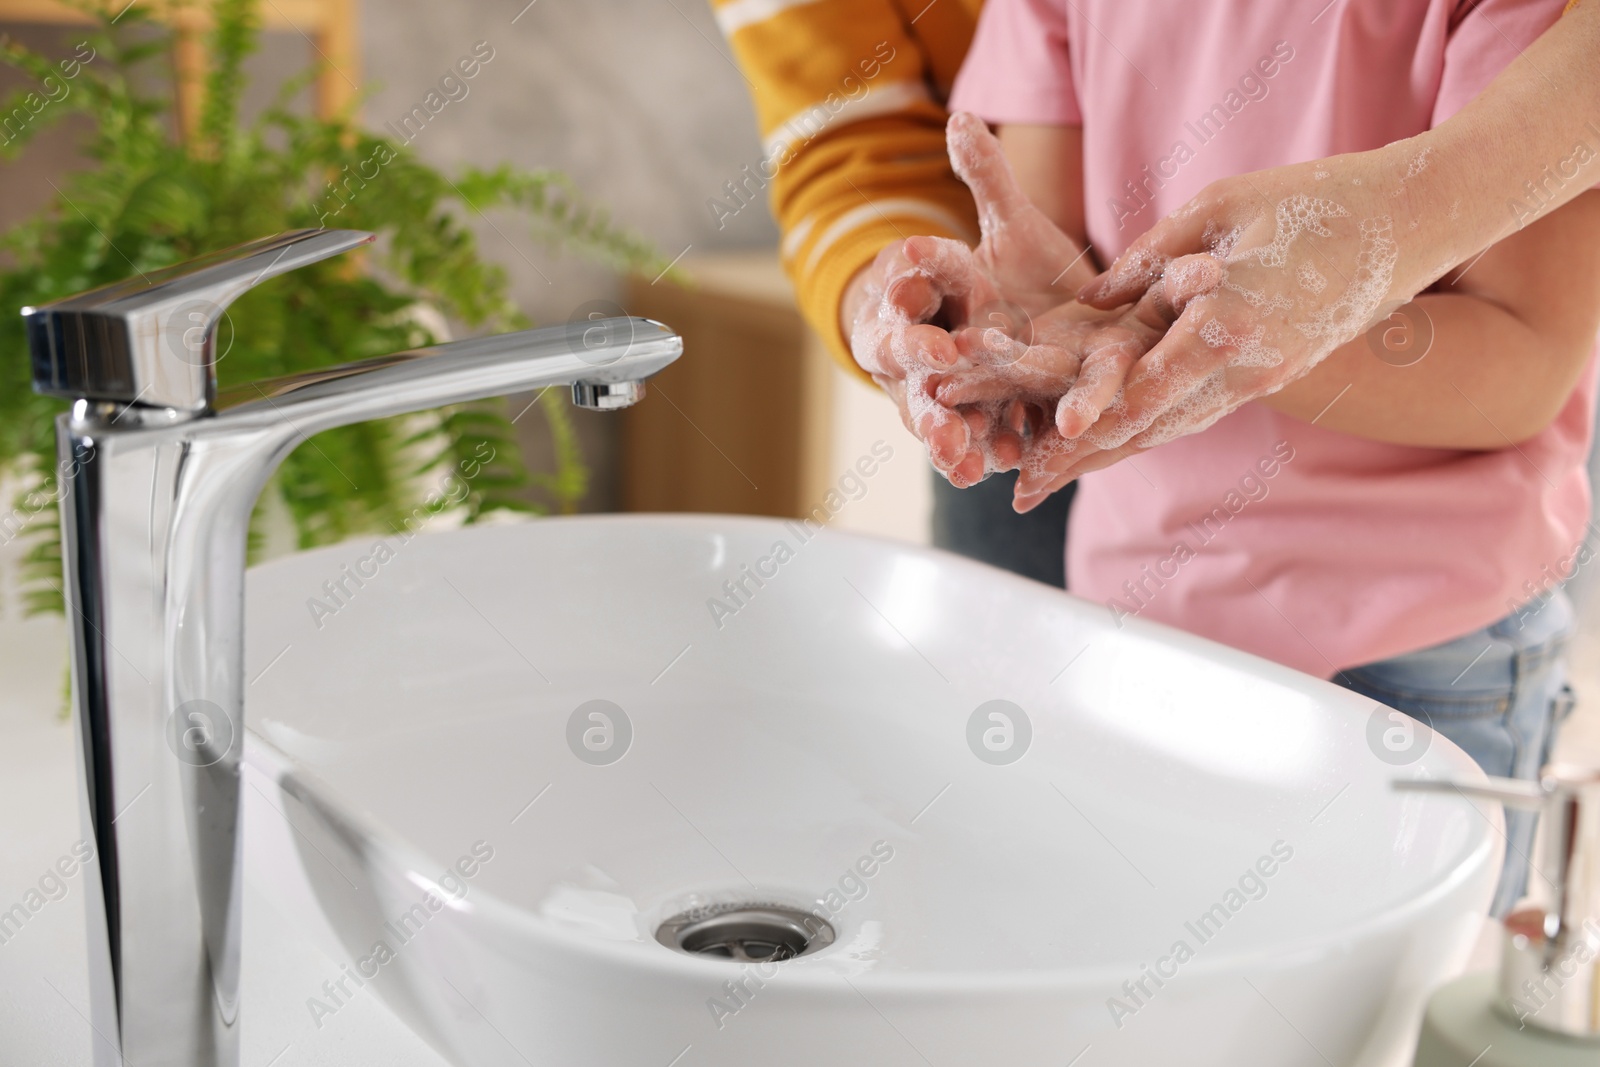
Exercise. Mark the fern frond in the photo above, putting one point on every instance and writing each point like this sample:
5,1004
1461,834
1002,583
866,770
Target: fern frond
234,36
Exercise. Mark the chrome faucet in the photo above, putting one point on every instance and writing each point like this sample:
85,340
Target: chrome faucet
159,475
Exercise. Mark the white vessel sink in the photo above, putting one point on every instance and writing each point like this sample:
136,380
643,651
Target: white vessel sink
822,748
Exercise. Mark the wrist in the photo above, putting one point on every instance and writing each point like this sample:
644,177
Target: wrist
852,299
1447,220
1405,181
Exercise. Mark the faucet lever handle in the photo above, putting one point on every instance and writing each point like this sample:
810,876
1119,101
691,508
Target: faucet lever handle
1549,977
1512,792
150,340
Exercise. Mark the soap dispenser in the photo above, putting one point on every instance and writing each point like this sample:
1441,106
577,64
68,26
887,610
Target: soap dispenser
1543,1007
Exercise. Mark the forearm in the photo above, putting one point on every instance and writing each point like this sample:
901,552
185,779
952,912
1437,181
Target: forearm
1522,129
1488,380
856,293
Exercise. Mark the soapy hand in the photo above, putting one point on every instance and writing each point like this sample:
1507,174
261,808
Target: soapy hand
1308,256
1002,387
901,311
1068,352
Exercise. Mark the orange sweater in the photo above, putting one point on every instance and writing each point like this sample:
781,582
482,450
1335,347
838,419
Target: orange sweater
849,96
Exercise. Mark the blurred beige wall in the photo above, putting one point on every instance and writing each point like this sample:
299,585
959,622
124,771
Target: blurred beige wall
638,100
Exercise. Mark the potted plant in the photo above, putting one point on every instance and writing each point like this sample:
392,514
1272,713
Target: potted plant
149,199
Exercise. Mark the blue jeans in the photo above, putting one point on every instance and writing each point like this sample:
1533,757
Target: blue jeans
1500,693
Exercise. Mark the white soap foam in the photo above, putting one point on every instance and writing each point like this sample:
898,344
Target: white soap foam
1369,287
1220,242
1249,351
1201,408
1311,280
1296,215
1259,300
1114,433
1046,449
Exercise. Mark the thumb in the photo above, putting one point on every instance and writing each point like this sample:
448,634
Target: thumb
1181,233
978,159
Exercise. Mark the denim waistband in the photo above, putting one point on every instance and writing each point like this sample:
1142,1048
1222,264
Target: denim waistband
1478,672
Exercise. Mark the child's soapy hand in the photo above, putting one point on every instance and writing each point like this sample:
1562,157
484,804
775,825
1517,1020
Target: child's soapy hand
1310,257
1070,351
1023,265
907,309
1054,359
1018,359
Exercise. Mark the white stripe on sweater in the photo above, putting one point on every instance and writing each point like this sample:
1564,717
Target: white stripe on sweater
878,210
883,100
741,13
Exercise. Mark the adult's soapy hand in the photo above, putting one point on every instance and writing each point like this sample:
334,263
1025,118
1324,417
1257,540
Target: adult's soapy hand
1310,257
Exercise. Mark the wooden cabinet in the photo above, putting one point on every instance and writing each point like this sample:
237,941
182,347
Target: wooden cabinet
758,419
741,423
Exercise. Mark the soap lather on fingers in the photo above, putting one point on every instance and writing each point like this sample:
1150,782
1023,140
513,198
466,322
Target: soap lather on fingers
1014,342
992,363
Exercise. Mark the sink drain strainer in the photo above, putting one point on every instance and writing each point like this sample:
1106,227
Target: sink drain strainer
746,932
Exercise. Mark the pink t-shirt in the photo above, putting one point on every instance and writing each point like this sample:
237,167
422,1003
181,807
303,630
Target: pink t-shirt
1308,546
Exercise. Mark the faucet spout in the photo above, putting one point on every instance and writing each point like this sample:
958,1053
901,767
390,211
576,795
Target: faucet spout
155,508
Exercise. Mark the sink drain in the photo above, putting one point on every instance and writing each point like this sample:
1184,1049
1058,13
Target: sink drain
746,932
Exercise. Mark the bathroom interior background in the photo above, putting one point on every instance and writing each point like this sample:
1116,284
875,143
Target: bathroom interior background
640,103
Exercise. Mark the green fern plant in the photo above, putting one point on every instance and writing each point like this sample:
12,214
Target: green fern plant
148,201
